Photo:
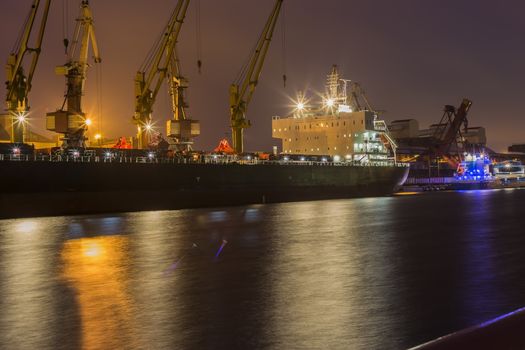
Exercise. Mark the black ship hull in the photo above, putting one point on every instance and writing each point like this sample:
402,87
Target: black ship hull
69,188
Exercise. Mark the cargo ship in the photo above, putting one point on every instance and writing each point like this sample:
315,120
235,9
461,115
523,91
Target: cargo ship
340,149
337,150
66,187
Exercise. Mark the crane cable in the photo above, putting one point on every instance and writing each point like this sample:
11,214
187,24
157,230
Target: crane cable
65,24
244,68
283,31
99,97
150,57
198,34
18,42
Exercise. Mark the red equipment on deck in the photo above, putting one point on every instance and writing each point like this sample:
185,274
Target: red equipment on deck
224,147
122,144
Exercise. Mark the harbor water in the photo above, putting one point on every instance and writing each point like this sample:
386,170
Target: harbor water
372,273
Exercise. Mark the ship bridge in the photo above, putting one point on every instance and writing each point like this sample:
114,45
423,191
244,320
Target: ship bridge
344,126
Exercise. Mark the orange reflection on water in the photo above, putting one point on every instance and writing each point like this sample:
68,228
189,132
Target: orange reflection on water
97,268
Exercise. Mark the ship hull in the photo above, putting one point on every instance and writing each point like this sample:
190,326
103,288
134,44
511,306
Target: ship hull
61,188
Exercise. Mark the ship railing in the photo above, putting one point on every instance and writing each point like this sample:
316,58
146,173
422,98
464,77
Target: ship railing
15,157
156,160
429,180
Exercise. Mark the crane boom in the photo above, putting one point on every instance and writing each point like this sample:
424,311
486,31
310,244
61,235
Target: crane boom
73,122
18,83
242,93
454,118
150,77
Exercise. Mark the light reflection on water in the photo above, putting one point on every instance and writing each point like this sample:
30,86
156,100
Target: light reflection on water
98,270
370,273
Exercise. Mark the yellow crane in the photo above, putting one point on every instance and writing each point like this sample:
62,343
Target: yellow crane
18,82
72,122
241,92
180,130
162,65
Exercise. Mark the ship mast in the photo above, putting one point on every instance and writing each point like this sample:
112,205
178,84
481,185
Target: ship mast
339,99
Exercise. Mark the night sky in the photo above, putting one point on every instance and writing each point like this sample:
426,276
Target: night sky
411,56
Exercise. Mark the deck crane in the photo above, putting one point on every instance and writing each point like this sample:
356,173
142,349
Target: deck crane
161,65
18,82
241,92
72,122
180,130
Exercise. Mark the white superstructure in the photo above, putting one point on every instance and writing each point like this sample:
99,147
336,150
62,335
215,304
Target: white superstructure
344,127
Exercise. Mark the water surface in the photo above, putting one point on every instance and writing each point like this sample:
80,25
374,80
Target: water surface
373,273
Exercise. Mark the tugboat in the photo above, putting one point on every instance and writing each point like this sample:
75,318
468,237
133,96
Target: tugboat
473,173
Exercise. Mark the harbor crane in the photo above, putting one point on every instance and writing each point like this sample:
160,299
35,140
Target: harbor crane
19,82
161,65
241,91
449,132
72,122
